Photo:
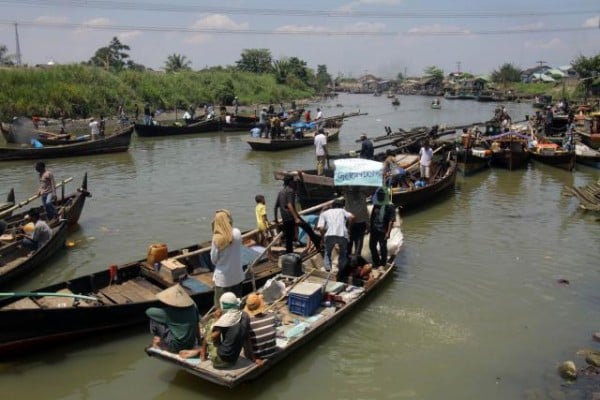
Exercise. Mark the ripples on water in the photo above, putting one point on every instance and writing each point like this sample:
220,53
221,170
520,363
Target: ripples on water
474,309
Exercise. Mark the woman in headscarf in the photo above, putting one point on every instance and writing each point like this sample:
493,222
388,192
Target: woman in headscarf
225,254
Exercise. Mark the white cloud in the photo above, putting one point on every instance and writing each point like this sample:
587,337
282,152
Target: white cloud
97,22
592,22
47,19
356,27
552,44
437,29
213,21
129,35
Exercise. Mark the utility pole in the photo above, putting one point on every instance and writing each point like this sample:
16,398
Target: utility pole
541,63
458,66
18,57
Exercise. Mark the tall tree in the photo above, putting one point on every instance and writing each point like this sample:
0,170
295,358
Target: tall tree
587,69
113,56
255,60
435,72
281,70
323,78
506,73
177,62
5,59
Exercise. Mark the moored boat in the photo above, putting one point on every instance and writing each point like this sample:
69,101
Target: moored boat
585,155
210,125
116,142
509,150
285,143
552,154
590,132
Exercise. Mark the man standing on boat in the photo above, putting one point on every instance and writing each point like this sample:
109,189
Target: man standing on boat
147,118
425,157
47,190
367,151
94,129
321,150
333,224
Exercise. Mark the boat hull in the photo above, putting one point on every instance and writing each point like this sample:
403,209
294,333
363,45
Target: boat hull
266,144
117,142
212,125
563,160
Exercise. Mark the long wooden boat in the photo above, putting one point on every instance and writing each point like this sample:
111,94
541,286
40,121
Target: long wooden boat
554,155
291,336
314,189
117,296
473,159
116,142
509,150
239,123
587,156
16,261
69,207
276,144
211,125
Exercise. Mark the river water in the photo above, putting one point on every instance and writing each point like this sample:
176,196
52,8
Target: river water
474,310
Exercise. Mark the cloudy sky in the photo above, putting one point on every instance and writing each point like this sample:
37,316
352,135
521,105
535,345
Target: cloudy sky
383,37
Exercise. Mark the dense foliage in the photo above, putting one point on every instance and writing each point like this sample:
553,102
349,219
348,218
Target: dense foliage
114,57
82,90
177,62
506,73
588,69
5,58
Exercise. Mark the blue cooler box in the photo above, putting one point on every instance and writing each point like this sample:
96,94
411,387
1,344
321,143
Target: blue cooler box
305,298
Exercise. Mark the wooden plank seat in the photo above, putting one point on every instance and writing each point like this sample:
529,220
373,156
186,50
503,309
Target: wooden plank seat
22,304
128,292
56,301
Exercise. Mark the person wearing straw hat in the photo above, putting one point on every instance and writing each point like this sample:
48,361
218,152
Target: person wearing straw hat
262,329
225,254
228,336
176,326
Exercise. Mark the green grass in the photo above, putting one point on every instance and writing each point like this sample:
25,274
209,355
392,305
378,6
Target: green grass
82,91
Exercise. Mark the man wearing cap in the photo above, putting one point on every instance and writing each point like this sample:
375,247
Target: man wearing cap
262,329
321,150
367,151
176,326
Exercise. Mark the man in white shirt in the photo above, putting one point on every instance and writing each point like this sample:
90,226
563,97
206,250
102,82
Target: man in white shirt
321,150
425,157
94,129
333,224
319,115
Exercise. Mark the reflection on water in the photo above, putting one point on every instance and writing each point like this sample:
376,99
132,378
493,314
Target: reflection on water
474,307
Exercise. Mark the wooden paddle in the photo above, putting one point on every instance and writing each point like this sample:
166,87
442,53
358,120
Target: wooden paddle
29,200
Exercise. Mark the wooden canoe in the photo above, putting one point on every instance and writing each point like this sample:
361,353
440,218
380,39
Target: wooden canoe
16,261
116,142
269,144
291,336
559,158
472,160
239,123
511,151
211,125
121,294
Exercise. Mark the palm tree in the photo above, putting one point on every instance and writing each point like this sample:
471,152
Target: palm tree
177,62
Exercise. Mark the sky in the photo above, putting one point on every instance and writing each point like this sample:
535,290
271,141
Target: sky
350,37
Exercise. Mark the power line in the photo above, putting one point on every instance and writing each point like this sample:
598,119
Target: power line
293,32
183,8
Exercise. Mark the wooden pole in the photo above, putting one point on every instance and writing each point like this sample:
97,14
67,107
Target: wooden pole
44,294
29,200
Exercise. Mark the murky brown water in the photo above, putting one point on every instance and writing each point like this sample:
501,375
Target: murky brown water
474,310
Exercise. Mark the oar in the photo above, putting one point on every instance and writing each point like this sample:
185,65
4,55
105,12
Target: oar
44,294
29,200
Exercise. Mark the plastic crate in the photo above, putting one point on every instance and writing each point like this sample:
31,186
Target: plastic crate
305,298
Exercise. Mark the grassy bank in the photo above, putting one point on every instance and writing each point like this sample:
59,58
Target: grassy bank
83,91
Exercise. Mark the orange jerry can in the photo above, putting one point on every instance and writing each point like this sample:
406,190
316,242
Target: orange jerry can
157,252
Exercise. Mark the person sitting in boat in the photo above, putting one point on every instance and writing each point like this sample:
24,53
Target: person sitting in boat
187,117
262,331
176,326
229,334
41,232
360,270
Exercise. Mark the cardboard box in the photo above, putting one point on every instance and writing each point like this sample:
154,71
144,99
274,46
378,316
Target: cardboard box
172,270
